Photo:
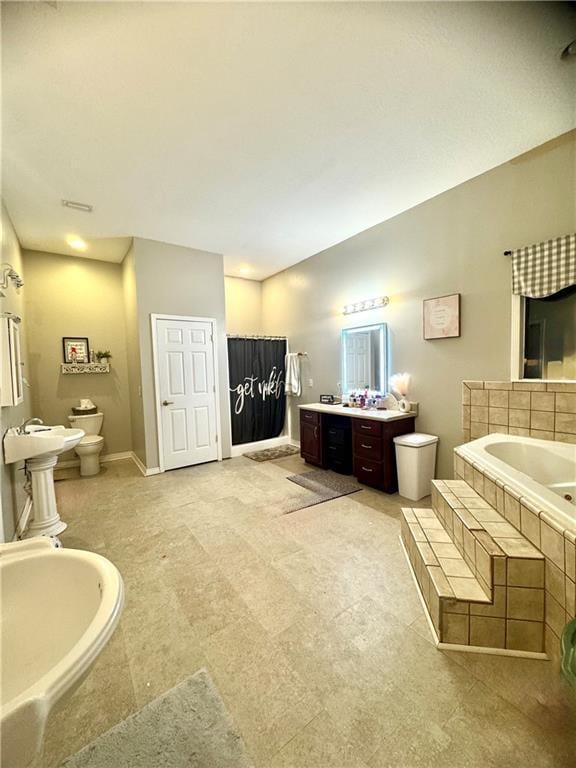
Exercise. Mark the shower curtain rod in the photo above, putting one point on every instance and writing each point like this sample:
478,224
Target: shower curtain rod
273,338
248,336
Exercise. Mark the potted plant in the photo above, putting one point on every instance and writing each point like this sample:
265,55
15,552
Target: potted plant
103,357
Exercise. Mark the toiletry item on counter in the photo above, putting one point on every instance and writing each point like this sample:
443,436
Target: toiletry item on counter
390,402
400,384
330,399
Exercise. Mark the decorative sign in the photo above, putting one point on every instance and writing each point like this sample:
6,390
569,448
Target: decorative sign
76,350
442,317
257,396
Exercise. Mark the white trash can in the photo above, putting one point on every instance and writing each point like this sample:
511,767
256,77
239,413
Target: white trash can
416,462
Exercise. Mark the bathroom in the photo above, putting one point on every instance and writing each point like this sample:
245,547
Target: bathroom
298,618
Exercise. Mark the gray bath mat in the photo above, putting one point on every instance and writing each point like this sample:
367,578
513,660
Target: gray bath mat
268,454
188,727
324,485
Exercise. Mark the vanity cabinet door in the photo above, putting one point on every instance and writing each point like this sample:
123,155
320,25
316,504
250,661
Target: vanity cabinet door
310,442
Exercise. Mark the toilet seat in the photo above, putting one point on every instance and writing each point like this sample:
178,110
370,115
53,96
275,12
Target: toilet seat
91,440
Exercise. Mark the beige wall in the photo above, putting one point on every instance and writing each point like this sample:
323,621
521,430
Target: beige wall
243,306
11,477
173,280
70,296
451,243
133,355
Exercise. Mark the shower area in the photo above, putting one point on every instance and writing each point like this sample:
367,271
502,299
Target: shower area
263,375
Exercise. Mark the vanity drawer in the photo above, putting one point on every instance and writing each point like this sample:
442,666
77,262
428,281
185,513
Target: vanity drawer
366,427
310,417
368,472
368,447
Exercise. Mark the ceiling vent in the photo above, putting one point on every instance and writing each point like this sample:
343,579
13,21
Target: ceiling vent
77,206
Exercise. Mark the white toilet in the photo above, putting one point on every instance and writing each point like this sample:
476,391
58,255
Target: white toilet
88,449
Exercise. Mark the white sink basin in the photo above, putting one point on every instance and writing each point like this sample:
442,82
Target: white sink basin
39,441
59,609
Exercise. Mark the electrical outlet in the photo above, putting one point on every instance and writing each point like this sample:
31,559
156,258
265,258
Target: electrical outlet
310,382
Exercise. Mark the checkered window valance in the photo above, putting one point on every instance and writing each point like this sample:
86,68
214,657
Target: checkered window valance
544,269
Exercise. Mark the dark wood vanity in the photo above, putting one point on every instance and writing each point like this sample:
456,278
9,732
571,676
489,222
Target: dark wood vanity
352,441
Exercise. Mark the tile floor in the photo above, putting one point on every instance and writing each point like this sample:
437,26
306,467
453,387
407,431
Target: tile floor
308,622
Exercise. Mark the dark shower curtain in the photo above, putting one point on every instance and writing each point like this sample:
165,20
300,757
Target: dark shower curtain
257,397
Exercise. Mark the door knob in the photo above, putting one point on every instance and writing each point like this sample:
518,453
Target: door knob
167,402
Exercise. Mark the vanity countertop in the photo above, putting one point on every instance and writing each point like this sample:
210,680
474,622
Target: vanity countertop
357,413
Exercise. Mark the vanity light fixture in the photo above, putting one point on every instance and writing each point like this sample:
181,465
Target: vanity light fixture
77,243
362,306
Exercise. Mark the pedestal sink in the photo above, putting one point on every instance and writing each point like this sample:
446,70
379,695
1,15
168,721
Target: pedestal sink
59,609
40,446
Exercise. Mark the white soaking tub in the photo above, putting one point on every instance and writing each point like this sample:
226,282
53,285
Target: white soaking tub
543,471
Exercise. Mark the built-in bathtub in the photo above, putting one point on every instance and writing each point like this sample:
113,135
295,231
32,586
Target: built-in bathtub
542,471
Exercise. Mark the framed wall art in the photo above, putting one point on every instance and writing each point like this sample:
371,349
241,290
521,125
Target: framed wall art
441,317
76,349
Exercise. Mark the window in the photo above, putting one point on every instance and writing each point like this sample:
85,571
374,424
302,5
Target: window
547,348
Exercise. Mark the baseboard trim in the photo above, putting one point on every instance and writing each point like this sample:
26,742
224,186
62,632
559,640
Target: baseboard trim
260,445
105,459
23,520
109,457
146,471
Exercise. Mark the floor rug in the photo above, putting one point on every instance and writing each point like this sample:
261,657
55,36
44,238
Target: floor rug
268,454
324,486
187,727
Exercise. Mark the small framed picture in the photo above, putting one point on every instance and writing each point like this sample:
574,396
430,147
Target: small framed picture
442,317
76,349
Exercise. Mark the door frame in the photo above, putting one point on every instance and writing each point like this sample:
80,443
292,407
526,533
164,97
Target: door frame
214,332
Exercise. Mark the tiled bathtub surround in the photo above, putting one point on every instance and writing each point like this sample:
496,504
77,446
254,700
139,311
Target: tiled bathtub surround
481,580
557,545
530,409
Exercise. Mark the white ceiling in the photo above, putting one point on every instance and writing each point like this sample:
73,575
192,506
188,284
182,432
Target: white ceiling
266,132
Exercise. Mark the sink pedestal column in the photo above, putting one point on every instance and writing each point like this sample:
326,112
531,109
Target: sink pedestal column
45,518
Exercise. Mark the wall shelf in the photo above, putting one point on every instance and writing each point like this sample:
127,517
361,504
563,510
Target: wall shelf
85,368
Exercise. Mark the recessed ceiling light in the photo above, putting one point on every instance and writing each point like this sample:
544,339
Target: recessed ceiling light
77,243
245,270
77,206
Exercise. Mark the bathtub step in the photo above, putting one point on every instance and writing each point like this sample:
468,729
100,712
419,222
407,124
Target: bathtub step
485,539
481,580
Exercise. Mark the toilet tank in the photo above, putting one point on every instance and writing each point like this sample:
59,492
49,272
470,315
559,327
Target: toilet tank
91,424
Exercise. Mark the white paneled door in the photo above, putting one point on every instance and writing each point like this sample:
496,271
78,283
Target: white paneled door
358,363
186,391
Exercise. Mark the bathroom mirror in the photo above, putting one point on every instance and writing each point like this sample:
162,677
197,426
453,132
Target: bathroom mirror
365,358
